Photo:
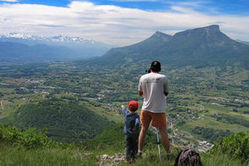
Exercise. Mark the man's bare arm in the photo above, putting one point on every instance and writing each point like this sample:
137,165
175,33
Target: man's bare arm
140,93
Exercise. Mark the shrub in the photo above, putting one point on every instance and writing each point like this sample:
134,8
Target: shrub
30,138
236,146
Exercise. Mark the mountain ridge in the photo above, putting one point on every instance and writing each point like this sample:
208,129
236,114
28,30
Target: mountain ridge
57,38
198,47
34,49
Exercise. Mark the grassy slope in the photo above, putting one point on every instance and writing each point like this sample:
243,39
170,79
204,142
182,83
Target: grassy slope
11,155
111,141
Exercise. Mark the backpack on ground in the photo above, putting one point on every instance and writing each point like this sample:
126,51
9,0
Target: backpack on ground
188,157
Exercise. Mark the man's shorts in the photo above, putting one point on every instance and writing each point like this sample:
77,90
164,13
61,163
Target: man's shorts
158,119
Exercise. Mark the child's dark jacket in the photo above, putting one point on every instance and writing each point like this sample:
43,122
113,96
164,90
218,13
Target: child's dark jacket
132,123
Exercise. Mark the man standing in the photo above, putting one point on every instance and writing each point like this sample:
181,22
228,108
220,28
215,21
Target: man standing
154,88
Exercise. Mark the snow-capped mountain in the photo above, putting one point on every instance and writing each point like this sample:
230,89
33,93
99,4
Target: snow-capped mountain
244,42
17,35
59,38
22,47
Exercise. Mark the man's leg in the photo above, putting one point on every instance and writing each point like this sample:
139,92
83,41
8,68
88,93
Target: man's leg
165,139
159,121
145,122
142,137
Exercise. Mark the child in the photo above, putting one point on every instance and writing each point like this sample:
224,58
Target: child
131,130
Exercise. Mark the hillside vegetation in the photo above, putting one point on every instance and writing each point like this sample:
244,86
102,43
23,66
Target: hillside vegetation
34,148
65,121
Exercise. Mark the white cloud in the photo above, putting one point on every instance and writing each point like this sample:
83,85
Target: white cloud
111,24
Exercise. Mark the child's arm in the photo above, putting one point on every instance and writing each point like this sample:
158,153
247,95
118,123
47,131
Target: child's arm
124,110
137,122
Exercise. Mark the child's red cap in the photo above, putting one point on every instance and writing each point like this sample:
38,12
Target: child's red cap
133,104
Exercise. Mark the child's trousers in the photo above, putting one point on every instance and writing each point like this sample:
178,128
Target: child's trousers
131,146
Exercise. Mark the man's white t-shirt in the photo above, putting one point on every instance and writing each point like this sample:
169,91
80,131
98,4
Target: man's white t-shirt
154,86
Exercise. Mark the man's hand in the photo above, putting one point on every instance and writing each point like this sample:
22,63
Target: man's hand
122,106
140,93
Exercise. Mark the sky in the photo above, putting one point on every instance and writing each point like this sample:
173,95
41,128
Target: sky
122,22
